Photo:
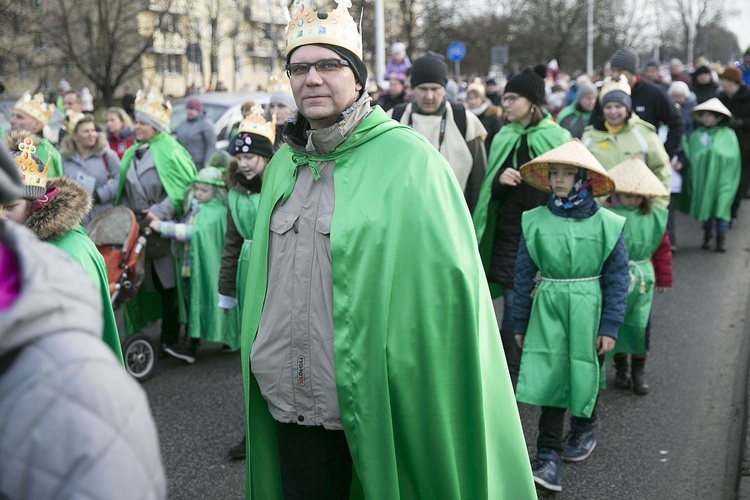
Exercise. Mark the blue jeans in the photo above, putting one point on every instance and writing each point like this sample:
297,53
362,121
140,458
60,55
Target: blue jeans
722,226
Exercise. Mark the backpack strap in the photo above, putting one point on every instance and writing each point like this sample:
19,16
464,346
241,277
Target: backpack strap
106,167
398,111
459,116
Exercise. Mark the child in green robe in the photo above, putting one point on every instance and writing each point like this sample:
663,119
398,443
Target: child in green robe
569,301
201,237
713,171
650,261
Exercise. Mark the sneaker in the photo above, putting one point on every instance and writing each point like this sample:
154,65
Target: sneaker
184,352
581,441
546,470
238,451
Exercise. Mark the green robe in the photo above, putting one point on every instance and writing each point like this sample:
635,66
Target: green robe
541,138
559,365
45,150
79,247
244,211
643,234
710,183
176,171
425,397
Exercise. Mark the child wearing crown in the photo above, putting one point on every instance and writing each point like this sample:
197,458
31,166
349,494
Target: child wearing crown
569,301
712,175
53,209
200,236
650,261
33,114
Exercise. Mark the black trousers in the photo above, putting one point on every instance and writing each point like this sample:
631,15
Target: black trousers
552,421
170,312
315,462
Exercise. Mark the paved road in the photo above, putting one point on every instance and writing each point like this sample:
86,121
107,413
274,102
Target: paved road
679,442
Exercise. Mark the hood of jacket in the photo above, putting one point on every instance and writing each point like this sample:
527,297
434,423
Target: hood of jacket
63,212
56,295
68,148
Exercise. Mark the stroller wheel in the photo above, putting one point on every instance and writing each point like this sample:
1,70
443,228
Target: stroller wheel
140,357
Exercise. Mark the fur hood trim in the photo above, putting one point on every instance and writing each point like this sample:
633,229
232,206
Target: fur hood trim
63,213
68,149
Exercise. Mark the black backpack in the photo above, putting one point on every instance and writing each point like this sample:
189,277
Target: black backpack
459,115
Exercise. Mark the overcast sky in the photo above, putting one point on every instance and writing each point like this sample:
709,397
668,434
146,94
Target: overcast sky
740,24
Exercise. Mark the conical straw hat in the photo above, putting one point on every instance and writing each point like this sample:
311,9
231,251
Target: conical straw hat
573,152
714,105
633,177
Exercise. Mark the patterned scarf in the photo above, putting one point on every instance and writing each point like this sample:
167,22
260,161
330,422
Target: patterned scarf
578,193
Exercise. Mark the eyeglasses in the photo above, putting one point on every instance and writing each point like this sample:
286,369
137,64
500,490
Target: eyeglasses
296,70
510,99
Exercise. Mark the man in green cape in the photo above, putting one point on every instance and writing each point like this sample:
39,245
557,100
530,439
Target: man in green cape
371,356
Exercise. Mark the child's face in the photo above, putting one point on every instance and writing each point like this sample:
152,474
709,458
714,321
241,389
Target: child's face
250,165
561,179
708,119
17,210
630,200
615,113
203,192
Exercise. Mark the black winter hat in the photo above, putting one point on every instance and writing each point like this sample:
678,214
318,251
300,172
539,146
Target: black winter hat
527,84
626,58
355,63
701,70
10,182
429,68
255,144
652,63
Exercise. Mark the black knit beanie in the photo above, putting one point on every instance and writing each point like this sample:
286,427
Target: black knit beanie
701,70
619,97
358,67
627,59
527,84
254,144
429,68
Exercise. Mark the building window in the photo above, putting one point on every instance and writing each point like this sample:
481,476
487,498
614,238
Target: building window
23,66
165,22
237,64
36,4
170,64
66,67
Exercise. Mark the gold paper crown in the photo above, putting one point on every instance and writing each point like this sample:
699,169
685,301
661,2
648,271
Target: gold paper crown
72,121
311,22
35,107
254,123
33,171
611,85
278,83
154,106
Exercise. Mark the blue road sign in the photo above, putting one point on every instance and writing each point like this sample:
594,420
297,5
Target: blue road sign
456,51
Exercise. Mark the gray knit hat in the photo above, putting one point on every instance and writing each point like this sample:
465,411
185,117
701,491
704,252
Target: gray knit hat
283,98
585,89
10,183
626,58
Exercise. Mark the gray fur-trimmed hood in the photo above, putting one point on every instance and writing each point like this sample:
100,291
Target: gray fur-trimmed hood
68,148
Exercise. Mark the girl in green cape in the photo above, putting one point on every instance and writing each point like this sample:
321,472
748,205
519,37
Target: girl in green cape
713,172
201,237
572,261
252,148
650,262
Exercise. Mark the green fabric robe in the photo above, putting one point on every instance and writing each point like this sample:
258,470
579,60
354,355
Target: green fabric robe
559,365
205,318
710,183
643,234
176,170
540,139
425,397
244,211
79,247
45,150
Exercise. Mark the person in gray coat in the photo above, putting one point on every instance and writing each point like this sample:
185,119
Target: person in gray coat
74,424
88,160
196,134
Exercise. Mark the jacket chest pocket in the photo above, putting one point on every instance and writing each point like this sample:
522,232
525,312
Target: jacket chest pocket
281,241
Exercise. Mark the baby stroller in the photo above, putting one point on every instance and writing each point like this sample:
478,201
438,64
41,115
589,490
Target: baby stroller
116,235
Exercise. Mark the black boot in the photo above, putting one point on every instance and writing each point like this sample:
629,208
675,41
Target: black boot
708,235
622,377
721,242
237,452
640,386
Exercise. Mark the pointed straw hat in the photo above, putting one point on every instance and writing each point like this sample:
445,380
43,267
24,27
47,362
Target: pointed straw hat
633,177
712,104
573,152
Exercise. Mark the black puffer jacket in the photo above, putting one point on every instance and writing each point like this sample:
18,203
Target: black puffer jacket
739,106
514,201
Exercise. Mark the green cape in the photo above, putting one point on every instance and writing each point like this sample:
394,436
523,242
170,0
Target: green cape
244,210
571,109
540,138
173,165
45,150
710,183
425,397
79,247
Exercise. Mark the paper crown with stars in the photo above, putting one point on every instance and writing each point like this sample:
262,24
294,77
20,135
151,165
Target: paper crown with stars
155,108
72,122
254,123
313,21
35,107
31,168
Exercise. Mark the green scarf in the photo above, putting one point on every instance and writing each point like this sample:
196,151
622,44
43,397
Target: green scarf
425,397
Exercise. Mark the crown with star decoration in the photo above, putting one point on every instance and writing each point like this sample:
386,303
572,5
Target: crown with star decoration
72,121
611,85
154,105
35,107
254,123
312,21
31,168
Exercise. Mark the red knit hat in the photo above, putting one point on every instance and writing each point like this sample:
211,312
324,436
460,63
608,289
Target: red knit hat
732,74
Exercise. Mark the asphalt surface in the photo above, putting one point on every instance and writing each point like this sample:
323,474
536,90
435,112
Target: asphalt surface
682,441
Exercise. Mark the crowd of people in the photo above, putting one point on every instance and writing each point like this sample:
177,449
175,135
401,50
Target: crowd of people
342,239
